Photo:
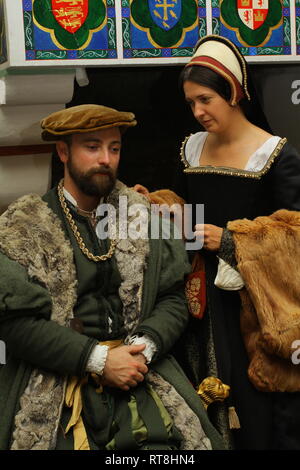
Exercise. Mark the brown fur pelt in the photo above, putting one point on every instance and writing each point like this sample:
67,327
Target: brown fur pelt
165,196
268,256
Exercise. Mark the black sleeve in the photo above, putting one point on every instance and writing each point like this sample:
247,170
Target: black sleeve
286,179
178,176
180,183
227,248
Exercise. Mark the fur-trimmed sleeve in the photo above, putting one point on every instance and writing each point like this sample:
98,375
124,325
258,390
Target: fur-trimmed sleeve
26,328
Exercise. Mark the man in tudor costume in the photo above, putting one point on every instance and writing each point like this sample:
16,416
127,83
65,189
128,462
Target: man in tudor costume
88,322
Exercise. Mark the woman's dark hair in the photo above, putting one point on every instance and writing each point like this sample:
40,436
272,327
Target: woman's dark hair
206,77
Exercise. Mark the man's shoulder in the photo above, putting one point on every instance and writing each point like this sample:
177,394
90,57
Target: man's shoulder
27,225
27,211
24,203
50,196
29,201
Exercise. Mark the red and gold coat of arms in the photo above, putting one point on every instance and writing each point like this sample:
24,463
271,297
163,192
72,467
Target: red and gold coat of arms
253,13
70,14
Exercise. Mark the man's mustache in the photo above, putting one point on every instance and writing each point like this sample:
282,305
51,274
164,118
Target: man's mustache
100,170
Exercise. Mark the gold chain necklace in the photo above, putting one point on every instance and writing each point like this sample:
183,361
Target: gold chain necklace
75,230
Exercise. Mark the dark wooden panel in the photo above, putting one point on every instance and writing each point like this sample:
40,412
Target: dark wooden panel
26,150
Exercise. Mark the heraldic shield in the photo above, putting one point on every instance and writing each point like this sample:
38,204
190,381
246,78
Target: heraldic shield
70,14
253,20
253,13
165,13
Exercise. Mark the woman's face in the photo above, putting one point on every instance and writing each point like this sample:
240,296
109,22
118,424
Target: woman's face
209,108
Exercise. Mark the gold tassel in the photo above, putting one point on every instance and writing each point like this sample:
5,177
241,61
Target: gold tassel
234,422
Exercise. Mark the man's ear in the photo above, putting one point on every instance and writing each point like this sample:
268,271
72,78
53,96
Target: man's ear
62,151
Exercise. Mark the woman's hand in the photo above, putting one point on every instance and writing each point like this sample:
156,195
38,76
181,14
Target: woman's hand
210,235
139,188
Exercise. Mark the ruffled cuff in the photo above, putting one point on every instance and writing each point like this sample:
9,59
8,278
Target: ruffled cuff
97,359
150,348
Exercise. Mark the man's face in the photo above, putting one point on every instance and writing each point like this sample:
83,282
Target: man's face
93,160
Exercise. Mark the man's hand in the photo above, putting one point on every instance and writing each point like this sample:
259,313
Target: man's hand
125,367
210,235
140,358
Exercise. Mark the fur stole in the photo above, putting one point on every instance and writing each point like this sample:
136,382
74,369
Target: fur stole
268,256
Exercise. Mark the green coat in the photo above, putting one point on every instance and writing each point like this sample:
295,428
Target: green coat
34,340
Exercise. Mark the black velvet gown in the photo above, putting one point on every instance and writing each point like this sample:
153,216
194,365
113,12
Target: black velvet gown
214,345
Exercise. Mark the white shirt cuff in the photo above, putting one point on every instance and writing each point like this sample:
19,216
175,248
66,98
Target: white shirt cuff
228,278
150,348
97,359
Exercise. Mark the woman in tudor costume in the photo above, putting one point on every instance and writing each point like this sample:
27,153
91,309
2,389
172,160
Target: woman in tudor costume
239,170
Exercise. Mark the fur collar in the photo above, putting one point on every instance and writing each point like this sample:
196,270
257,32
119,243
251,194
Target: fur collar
131,256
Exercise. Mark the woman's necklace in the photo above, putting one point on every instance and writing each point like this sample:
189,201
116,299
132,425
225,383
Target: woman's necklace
75,230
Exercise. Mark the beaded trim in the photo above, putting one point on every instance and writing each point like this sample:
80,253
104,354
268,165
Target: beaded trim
223,170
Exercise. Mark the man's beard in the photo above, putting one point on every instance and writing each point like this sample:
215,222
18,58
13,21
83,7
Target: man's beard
99,185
